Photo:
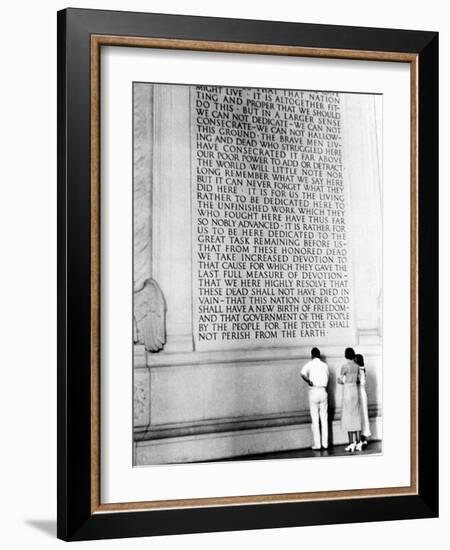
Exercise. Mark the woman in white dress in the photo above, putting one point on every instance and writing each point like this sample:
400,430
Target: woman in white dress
365,433
351,420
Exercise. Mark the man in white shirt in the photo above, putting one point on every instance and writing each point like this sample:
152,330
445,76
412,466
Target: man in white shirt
316,374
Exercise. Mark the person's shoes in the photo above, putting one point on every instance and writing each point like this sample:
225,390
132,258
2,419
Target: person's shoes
315,448
365,443
350,448
359,446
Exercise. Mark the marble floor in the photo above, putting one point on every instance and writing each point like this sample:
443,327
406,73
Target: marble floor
374,447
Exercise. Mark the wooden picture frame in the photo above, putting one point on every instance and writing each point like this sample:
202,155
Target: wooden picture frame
81,35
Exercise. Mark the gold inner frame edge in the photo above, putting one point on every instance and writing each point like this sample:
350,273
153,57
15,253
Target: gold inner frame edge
97,41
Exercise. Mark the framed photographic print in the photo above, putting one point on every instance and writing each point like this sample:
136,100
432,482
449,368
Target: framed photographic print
247,274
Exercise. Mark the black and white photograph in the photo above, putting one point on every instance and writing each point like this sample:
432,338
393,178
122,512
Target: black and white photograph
257,273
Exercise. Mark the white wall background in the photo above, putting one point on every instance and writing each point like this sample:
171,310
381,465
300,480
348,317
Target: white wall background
28,273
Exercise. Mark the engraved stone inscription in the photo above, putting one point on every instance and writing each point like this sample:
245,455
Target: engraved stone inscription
270,219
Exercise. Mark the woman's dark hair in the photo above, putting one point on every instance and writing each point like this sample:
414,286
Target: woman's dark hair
349,353
315,352
359,360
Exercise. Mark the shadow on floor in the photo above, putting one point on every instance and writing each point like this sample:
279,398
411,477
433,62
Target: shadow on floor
46,526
